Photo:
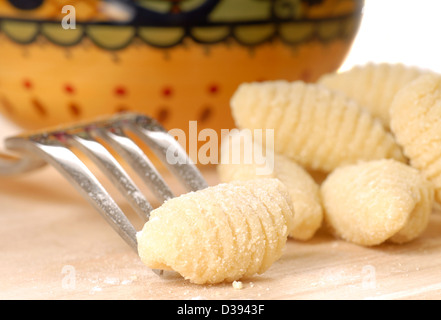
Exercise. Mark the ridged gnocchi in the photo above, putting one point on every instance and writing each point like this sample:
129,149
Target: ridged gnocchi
318,128
373,85
221,233
303,190
416,123
372,202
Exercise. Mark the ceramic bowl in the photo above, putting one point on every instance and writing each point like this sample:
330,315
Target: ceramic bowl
175,60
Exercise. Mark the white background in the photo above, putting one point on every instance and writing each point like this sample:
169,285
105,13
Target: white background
406,31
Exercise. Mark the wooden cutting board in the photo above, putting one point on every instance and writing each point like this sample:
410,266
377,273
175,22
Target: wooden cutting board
53,245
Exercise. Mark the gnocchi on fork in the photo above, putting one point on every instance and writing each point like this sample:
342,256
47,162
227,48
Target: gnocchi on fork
208,235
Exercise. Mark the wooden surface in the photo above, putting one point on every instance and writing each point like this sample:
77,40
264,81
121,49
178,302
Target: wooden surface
55,246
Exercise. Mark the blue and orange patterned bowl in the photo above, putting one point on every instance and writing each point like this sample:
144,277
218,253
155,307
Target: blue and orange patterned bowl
176,60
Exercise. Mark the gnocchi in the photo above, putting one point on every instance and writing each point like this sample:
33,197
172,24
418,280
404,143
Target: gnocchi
415,121
221,233
318,128
303,190
372,202
373,85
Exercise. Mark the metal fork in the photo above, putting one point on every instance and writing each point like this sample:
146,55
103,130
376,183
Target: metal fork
55,147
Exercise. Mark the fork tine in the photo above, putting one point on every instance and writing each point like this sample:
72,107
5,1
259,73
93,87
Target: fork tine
165,145
108,164
137,159
10,165
74,170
